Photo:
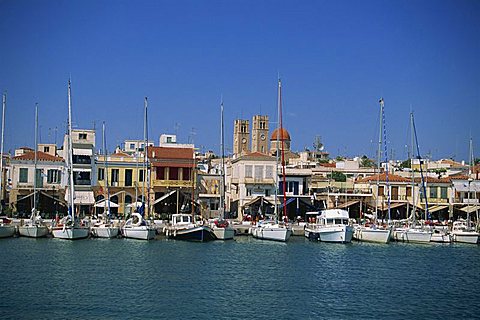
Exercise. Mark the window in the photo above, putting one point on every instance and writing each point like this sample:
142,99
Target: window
381,191
23,176
53,176
128,177
101,174
140,175
267,192
409,191
169,139
160,173
81,159
132,146
186,174
115,176
46,149
248,171
443,192
433,192
173,174
258,172
268,172
81,178
249,192
82,136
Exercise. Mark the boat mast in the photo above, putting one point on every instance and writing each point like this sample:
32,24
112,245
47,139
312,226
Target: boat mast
145,175
34,209
412,142
424,189
222,151
4,105
470,164
379,155
105,165
71,197
283,150
382,106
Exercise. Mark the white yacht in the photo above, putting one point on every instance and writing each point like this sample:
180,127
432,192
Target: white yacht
412,235
181,227
222,229
34,228
331,226
373,233
271,230
104,229
461,232
7,229
137,228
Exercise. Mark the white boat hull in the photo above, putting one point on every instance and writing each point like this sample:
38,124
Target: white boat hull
465,237
7,231
441,237
271,233
338,234
33,231
105,231
372,235
140,232
412,235
224,233
71,233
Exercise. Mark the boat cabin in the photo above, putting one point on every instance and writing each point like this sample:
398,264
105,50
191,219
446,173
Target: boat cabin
181,219
329,217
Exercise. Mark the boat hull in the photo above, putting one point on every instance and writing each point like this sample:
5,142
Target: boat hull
224,233
199,233
372,235
412,235
441,237
105,232
33,231
140,233
465,237
7,231
338,234
71,233
271,233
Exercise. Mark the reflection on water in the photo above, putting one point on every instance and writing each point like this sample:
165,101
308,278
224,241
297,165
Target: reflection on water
244,278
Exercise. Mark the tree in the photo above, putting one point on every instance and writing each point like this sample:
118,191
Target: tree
337,176
366,162
406,164
476,161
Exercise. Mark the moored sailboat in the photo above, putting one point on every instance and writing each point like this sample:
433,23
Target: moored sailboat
7,229
34,228
276,229
70,228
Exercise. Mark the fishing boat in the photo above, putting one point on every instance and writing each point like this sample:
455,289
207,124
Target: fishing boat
375,232
276,229
7,229
183,228
331,225
70,227
104,228
137,227
221,227
34,228
413,232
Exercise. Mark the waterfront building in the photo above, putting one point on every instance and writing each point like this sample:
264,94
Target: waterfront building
132,146
241,137
172,179
125,173
83,143
50,185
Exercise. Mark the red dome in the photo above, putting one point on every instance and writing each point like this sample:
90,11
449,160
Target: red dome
283,136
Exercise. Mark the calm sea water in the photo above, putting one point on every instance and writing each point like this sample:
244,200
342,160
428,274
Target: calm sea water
241,279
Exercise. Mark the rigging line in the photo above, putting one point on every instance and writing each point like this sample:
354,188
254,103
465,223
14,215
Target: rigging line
427,213
386,156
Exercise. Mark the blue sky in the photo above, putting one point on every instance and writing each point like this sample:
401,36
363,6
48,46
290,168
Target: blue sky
335,58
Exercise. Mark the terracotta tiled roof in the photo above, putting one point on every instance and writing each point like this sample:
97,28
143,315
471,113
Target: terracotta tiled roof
459,177
170,153
433,180
283,136
328,165
382,177
120,154
41,156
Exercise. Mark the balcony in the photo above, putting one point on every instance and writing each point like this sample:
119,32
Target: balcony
172,183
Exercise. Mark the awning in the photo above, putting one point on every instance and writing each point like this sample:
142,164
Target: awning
82,197
464,186
348,204
470,209
165,196
106,204
82,152
392,206
436,208
258,198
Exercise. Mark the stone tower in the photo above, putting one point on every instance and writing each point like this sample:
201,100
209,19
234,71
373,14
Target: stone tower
260,134
241,137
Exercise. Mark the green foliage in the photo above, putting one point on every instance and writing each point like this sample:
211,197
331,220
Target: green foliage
476,161
406,164
366,162
337,176
339,158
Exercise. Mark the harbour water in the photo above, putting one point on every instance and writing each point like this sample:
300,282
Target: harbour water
241,279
